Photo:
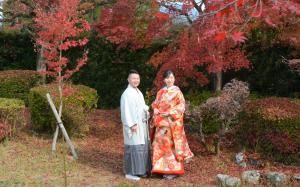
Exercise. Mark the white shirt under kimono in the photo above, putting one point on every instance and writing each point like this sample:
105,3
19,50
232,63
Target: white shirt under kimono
133,111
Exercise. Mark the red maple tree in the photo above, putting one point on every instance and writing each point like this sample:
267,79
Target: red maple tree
59,26
211,39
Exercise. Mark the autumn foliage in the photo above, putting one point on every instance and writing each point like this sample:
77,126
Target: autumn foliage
272,126
210,40
59,27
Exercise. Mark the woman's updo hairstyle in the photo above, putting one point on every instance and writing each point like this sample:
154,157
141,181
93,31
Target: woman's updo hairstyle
167,73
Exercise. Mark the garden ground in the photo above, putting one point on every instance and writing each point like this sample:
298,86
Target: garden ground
26,160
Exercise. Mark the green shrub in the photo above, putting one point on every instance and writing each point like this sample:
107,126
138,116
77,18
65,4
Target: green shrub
17,83
12,115
272,127
199,98
78,101
211,124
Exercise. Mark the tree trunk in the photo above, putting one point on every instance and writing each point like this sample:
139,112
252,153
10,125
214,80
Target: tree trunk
218,81
41,64
217,142
201,137
60,90
217,145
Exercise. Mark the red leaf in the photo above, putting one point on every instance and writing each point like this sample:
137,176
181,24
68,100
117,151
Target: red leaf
219,14
269,22
240,3
220,36
162,16
212,7
239,37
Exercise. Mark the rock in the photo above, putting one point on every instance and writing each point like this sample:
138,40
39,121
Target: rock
256,163
251,177
233,182
296,178
240,159
243,164
221,178
227,181
277,179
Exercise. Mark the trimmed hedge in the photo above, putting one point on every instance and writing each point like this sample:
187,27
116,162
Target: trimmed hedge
17,83
78,101
272,127
11,116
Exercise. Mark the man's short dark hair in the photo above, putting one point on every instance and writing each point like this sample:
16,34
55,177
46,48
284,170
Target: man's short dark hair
133,71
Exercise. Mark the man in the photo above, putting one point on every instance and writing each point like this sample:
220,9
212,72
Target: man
134,114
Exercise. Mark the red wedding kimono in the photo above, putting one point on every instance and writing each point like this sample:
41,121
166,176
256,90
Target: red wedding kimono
170,147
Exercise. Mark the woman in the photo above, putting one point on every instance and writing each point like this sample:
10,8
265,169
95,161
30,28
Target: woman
170,147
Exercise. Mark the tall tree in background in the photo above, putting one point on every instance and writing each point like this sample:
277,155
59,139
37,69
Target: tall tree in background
210,39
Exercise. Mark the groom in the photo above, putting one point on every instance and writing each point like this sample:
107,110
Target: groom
134,112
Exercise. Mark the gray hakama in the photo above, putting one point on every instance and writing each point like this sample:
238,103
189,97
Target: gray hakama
137,160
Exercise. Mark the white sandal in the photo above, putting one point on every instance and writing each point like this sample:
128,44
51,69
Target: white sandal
132,177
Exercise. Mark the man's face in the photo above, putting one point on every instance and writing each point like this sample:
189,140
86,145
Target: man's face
134,80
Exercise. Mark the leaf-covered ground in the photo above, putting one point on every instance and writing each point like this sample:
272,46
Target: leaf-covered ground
27,160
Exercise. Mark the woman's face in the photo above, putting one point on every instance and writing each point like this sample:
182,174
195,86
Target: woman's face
169,81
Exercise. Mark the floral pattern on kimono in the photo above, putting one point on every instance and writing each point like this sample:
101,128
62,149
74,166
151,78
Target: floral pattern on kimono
170,147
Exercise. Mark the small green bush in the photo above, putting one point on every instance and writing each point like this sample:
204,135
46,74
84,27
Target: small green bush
211,124
271,126
17,83
78,101
199,98
12,115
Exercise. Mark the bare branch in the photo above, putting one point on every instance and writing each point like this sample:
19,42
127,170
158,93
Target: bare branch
216,11
198,7
178,11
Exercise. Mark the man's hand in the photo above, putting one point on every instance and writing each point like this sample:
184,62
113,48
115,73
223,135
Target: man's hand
134,128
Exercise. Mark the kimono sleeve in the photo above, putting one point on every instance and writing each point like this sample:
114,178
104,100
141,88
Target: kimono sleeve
128,111
178,107
154,104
